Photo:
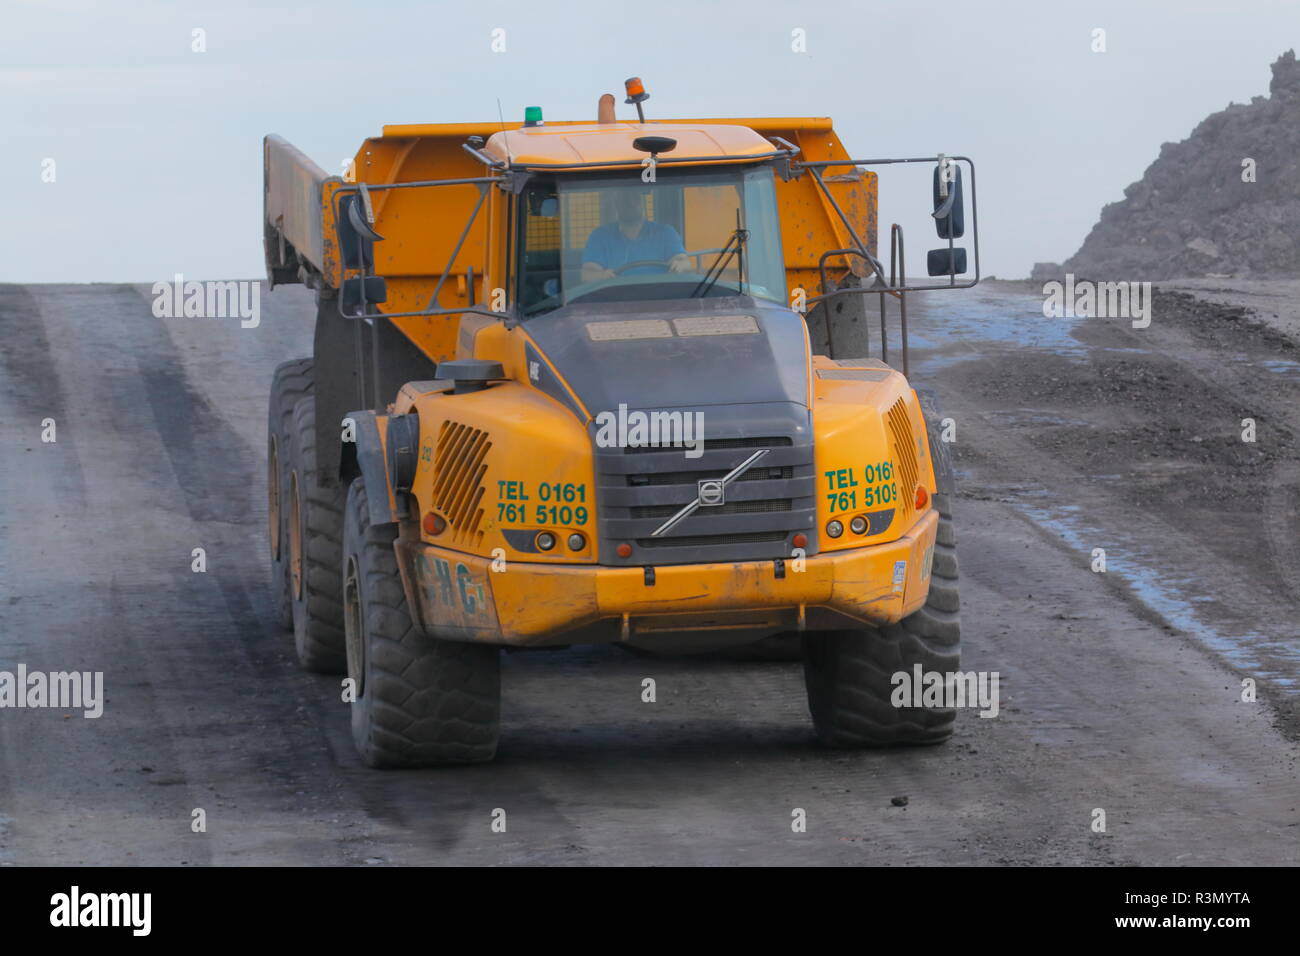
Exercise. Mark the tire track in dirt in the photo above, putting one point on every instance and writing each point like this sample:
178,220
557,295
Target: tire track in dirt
34,392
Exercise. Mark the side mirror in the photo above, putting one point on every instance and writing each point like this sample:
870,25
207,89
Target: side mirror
357,237
373,288
945,262
949,211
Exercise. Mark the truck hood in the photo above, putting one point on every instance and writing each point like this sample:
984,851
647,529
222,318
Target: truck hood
677,354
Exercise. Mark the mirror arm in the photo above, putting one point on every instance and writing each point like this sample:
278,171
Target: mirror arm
483,157
944,209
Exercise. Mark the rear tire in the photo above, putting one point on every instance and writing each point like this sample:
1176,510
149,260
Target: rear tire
291,383
420,701
848,674
315,551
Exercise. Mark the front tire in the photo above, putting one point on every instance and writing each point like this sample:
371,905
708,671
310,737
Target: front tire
848,674
420,701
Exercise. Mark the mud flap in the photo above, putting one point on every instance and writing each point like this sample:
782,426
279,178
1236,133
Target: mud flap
372,464
344,356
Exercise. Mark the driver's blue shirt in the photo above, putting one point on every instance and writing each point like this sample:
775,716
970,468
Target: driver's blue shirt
609,248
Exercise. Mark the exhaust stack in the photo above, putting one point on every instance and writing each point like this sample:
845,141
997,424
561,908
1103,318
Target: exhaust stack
605,109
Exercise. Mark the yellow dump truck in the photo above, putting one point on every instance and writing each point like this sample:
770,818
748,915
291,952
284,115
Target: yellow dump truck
580,383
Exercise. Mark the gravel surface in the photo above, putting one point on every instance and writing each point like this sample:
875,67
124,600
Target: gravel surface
1120,690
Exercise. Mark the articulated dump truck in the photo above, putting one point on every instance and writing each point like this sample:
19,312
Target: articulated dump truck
608,382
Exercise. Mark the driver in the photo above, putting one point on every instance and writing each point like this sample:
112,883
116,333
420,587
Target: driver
632,238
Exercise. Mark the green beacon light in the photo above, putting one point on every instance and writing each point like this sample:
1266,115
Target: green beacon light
532,116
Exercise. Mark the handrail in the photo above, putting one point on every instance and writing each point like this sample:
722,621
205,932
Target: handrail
896,251
895,286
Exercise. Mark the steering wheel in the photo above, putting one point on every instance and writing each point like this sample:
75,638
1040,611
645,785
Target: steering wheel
641,262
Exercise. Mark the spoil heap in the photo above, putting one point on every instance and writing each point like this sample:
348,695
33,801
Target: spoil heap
1195,212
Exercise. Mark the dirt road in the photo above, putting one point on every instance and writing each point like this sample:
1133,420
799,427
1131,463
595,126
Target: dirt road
1120,690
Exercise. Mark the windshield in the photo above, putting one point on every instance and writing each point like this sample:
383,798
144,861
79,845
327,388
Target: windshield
611,237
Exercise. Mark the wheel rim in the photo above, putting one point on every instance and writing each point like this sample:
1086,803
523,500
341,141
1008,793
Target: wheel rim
273,496
353,626
295,538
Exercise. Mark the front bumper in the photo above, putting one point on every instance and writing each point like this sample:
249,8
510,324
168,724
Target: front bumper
461,597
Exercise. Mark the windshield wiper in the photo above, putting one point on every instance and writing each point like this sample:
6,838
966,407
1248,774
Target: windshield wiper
735,247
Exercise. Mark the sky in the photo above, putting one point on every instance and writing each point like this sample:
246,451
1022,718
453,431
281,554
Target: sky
157,148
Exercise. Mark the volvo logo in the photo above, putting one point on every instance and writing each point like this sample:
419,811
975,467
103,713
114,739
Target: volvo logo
710,493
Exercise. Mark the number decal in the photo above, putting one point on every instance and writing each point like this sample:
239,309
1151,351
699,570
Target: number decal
880,490
564,503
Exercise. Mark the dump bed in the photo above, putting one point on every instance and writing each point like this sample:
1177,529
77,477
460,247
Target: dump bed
293,194
422,227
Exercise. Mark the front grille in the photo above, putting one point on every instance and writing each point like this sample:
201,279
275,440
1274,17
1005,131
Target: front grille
638,489
714,444
695,477
730,508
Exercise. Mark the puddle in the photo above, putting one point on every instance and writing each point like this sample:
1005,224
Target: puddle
1251,652
1279,367
944,332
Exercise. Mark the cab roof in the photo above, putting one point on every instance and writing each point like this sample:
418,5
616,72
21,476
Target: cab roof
610,144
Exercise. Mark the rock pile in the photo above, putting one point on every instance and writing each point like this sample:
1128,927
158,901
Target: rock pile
1224,201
